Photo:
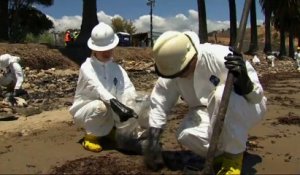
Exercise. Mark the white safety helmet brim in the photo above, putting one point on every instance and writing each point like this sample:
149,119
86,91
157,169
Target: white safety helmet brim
194,36
102,38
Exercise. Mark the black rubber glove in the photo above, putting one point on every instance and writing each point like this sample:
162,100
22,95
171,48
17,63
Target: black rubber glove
152,153
18,92
122,110
236,65
11,99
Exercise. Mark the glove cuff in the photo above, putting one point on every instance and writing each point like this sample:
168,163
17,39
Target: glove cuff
154,133
244,88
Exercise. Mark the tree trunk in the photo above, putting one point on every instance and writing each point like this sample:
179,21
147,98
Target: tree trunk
291,45
282,51
202,21
253,47
268,46
233,25
89,20
4,20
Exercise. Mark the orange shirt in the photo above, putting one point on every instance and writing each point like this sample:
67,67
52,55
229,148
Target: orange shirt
67,37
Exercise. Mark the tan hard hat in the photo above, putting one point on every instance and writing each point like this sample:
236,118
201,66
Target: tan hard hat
298,48
173,51
102,38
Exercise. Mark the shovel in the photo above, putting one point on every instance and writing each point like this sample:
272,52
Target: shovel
208,166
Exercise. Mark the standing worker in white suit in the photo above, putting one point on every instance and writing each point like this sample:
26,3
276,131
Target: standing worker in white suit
197,73
297,58
105,102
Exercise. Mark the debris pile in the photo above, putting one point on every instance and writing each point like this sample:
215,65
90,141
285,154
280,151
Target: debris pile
290,119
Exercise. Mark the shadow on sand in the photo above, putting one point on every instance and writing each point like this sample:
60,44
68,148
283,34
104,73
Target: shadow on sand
250,160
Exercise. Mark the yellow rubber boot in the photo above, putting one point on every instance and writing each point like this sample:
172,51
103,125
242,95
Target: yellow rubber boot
231,164
91,143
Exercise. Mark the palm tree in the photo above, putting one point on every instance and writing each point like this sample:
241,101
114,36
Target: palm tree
89,20
266,8
291,45
233,26
287,19
202,21
253,47
78,51
294,25
282,50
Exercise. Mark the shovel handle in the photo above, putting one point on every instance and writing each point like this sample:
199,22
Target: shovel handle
218,126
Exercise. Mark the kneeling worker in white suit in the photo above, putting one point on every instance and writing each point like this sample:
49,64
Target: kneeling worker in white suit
197,73
105,99
13,75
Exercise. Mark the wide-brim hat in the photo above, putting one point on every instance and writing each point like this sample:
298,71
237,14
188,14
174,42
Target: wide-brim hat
102,38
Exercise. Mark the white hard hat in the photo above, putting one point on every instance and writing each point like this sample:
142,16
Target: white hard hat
173,51
193,36
6,59
102,38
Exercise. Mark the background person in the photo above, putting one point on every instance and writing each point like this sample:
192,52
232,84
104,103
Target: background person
197,73
68,38
270,59
12,75
297,58
105,97
75,34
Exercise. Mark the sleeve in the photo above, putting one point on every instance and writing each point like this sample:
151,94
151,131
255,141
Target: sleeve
257,93
219,67
126,92
89,83
163,97
17,69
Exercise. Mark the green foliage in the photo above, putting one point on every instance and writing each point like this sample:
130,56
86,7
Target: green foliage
286,14
20,18
28,20
118,24
129,27
47,38
121,25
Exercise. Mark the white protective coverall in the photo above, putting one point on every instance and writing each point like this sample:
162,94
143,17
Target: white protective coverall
297,58
99,82
13,71
202,92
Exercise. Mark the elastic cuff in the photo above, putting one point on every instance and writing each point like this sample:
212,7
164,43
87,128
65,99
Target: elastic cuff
255,96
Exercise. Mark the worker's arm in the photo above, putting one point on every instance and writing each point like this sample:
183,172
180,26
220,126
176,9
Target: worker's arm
163,97
243,84
17,69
